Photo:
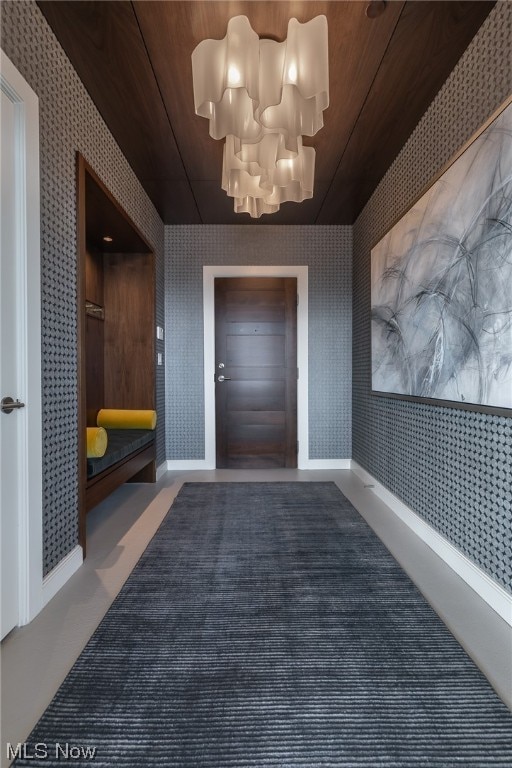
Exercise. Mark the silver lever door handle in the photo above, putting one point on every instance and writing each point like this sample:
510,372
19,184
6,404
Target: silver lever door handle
8,405
223,378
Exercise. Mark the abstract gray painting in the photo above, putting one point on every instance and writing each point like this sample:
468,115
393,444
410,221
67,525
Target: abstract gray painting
442,283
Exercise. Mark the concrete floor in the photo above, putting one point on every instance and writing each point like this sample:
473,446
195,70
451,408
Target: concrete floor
35,659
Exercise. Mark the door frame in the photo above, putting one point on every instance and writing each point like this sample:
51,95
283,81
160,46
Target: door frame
209,275
28,341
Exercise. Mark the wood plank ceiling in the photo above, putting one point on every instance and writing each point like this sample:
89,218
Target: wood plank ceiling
134,59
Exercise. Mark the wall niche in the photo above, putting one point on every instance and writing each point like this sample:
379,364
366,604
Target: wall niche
116,296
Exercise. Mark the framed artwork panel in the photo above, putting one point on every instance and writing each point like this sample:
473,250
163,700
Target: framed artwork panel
441,283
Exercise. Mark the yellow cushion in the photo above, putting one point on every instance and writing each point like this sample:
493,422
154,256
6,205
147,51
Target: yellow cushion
96,442
122,418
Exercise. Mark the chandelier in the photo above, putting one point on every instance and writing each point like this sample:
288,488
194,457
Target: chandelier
262,97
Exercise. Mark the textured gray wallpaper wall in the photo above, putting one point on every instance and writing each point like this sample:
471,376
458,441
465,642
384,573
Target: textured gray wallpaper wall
69,122
327,251
453,467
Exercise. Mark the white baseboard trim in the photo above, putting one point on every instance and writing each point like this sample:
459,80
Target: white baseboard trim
493,594
62,572
325,464
161,470
187,464
191,464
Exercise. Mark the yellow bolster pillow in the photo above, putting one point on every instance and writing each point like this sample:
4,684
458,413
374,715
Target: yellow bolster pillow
96,442
118,418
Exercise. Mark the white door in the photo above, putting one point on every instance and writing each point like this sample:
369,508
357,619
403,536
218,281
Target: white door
9,423
20,353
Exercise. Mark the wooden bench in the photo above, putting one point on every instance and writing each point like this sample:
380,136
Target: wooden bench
130,457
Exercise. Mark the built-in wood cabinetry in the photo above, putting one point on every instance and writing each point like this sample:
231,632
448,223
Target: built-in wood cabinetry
116,310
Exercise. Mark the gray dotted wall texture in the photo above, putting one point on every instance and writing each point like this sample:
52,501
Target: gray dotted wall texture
69,122
453,467
327,251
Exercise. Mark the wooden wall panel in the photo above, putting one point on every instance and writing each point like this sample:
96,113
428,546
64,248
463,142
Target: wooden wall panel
94,338
94,372
94,277
129,357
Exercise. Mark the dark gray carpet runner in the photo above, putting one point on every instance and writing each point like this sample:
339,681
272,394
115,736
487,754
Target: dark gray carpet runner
266,625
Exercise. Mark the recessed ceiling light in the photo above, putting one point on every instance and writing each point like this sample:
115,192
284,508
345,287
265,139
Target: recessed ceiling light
107,239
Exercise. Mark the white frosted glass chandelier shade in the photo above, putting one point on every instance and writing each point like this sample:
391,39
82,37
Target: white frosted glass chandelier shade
262,176
266,156
263,97
254,206
243,85
228,64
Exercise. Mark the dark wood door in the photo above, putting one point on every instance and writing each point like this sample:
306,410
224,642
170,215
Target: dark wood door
256,343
